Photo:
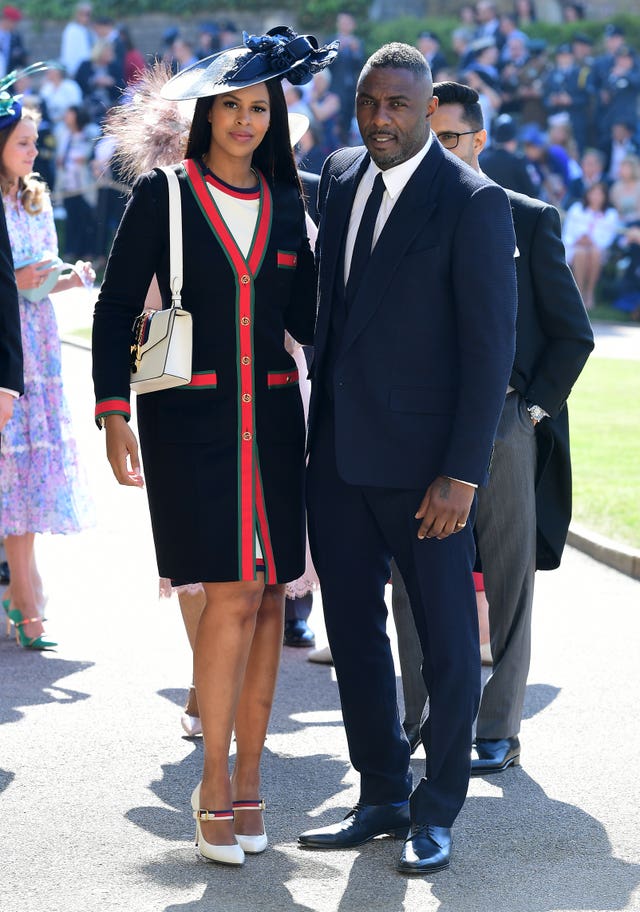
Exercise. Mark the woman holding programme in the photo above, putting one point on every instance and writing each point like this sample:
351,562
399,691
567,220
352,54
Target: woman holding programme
40,489
224,455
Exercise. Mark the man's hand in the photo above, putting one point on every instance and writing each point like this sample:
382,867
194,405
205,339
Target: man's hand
445,508
6,408
122,446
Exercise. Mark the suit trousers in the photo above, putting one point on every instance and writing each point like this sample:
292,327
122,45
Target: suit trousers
506,532
354,531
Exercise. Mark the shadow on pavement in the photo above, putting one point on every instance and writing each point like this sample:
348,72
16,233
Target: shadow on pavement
537,698
29,679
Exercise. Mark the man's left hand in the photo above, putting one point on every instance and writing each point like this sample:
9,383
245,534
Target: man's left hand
445,508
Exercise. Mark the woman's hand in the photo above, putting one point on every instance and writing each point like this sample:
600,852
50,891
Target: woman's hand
122,452
84,273
83,276
34,275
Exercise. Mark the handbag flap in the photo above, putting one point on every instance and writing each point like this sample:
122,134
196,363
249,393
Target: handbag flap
157,326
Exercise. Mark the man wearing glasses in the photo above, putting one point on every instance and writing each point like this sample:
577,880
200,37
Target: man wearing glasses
524,512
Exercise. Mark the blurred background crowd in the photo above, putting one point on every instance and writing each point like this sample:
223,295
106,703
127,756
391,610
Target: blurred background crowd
562,120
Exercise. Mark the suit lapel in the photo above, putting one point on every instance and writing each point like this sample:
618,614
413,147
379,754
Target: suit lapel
337,211
415,206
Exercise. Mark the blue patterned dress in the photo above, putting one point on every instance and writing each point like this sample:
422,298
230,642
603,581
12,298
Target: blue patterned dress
40,485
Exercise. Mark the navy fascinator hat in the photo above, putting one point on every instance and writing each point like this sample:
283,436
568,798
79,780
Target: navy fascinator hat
281,52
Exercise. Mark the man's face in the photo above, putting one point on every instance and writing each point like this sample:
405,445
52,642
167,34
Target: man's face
448,118
393,107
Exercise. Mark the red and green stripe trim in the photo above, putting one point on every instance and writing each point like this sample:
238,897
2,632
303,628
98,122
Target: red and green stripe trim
202,380
264,535
244,274
287,259
113,406
281,379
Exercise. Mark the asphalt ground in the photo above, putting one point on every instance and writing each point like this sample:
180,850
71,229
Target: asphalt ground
95,776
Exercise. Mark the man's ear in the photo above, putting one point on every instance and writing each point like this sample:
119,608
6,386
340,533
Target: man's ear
479,141
432,107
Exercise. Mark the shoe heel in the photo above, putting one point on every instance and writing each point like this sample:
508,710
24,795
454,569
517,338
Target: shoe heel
399,832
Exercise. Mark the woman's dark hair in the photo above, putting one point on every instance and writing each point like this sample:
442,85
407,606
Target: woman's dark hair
274,155
82,116
605,191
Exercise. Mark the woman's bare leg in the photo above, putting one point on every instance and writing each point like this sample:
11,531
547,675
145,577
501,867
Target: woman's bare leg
222,647
579,267
191,606
19,551
254,707
593,270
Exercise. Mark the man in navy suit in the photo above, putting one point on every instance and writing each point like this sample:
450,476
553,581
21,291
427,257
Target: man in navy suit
11,381
414,345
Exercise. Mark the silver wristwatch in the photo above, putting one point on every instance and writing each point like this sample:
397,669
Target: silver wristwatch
537,412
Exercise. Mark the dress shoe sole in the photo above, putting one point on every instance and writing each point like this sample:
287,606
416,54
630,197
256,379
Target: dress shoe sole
408,868
491,770
394,834
302,644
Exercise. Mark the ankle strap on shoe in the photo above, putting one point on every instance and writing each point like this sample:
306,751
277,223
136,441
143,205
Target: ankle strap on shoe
213,815
259,804
26,621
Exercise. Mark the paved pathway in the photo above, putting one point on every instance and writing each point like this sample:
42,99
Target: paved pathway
95,777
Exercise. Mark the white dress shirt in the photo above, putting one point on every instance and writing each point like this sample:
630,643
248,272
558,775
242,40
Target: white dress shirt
395,179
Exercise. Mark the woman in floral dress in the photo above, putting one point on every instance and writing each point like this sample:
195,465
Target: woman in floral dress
39,483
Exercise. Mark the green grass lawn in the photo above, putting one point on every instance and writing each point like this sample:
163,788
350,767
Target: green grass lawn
604,414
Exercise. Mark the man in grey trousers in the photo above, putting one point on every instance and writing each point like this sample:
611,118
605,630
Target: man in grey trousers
524,512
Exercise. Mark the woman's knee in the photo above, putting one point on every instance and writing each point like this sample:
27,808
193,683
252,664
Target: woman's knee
238,600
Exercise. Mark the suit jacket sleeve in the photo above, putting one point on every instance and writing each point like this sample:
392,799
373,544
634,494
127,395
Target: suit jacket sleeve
10,336
484,289
561,314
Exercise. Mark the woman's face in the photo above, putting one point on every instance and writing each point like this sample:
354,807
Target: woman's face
20,150
627,171
596,198
239,121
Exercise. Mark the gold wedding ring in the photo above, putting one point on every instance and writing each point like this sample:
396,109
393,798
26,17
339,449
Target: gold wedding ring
460,525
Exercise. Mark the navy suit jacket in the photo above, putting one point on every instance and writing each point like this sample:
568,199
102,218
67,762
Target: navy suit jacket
423,363
10,337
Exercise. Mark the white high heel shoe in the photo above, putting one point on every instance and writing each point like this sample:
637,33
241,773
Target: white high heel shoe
223,854
191,725
251,845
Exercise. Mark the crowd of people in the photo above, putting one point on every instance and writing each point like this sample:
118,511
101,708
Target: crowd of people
563,111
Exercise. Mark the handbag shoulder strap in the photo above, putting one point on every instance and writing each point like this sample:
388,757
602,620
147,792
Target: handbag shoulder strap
175,236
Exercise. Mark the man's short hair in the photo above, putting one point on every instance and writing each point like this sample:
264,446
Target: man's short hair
400,57
450,93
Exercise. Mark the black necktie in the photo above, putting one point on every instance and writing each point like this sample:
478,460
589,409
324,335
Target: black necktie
364,238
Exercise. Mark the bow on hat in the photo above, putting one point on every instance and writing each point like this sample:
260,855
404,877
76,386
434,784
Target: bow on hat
296,55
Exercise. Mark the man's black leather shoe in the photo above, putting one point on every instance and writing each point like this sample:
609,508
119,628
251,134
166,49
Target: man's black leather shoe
362,824
427,849
298,633
412,731
491,756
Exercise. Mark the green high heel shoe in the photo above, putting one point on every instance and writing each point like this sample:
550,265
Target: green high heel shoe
6,604
21,638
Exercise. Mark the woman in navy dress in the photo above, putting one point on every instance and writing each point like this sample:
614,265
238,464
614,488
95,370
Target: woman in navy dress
224,455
